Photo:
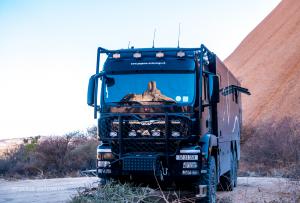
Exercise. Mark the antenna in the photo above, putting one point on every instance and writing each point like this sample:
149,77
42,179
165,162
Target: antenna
128,44
178,35
153,38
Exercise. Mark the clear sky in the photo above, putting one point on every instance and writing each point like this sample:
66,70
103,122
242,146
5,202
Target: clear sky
48,49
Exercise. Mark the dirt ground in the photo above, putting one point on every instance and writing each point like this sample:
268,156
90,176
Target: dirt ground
250,189
264,190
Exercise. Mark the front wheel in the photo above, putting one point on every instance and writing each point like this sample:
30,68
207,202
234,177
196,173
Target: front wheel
210,180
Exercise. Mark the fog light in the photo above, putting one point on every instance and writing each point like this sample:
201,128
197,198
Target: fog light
103,164
113,134
190,165
155,133
104,170
132,133
175,134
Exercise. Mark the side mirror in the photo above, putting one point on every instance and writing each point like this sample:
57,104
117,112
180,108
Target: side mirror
91,89
214,96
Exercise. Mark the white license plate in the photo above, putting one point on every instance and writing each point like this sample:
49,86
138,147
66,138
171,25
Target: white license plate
186,157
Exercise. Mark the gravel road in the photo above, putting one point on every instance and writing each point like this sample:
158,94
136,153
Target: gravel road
42,190
61,189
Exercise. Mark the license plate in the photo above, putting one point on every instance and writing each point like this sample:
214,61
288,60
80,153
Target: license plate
186,157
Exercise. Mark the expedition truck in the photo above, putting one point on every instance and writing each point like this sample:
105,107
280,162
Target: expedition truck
167,114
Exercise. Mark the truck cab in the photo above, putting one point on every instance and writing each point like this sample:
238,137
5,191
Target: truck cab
171,115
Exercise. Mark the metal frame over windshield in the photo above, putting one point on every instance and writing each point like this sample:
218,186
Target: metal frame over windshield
202,54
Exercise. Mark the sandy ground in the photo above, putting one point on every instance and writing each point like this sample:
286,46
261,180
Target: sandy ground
61,189
264,190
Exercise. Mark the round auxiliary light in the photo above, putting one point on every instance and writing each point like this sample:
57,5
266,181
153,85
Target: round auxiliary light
175,134
180,54
155,133
137,55
113,134
160,54
132,133
116,55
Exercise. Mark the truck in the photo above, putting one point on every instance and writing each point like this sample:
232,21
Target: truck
170,116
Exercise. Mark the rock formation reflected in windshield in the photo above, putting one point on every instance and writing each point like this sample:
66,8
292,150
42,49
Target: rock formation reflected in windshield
152,94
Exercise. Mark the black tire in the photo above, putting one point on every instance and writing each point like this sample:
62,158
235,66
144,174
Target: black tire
235,169
227,180
209,179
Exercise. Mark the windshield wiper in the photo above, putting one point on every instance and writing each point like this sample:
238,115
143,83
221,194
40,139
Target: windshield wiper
164,101
126,102
168,102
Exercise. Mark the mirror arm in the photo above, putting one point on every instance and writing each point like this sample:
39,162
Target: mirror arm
96,76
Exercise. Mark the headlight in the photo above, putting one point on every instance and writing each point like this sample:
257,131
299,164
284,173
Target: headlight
132,133
155,133
104,156
113,134
175,134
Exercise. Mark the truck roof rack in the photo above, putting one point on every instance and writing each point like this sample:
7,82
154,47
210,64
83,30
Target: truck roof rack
203,51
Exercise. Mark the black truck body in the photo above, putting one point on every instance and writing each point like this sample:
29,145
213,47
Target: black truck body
167,114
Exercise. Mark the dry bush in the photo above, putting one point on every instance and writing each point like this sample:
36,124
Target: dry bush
54,156
273,148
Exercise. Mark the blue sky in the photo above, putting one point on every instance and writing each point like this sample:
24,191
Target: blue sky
48,49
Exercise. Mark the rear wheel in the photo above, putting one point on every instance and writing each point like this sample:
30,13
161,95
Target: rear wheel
209,179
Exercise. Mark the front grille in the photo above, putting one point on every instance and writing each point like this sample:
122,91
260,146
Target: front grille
144,135
134,163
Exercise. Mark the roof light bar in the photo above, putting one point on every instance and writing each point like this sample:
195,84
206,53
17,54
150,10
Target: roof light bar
180,54
160,54
137,55
116,55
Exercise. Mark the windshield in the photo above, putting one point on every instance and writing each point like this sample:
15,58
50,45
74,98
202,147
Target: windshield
150,88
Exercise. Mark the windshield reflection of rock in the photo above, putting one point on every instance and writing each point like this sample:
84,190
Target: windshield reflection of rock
150,96
150,101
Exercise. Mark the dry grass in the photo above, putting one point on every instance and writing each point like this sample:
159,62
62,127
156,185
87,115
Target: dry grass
272,149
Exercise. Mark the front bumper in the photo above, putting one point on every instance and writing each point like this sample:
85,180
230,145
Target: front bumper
184,163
